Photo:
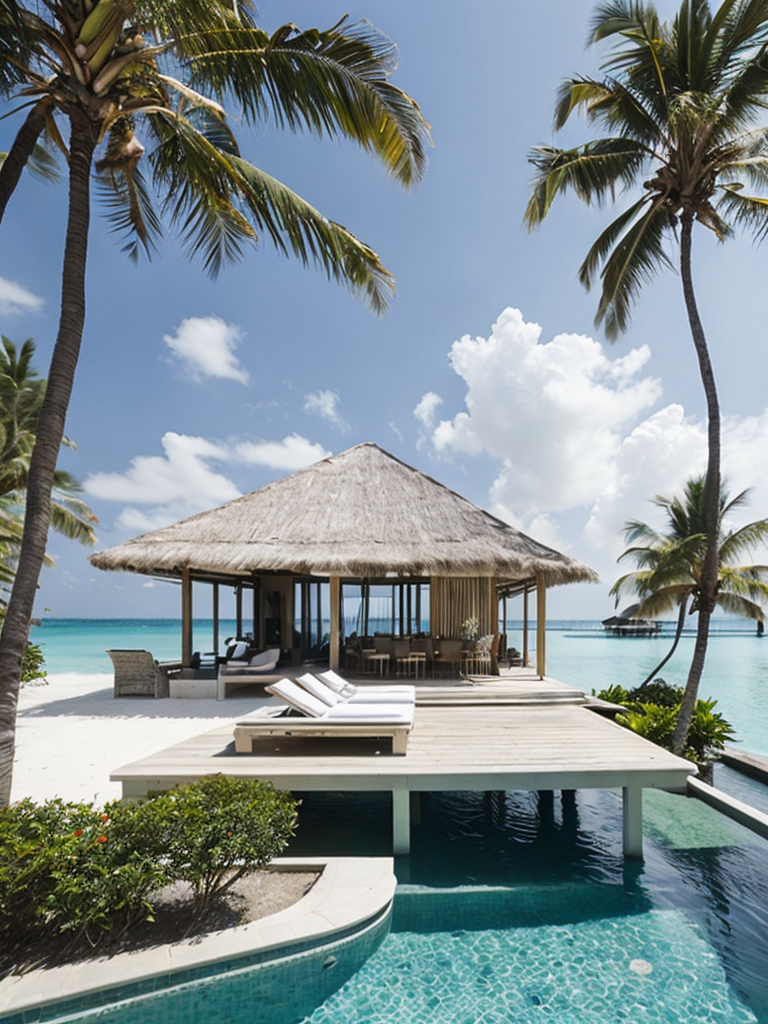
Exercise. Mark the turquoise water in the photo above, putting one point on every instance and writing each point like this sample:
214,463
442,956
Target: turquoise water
518,907
513,909
578,653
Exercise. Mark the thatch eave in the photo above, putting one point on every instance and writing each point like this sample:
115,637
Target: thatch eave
362,514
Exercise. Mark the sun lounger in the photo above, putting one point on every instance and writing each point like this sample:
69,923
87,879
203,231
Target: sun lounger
401,693
315,718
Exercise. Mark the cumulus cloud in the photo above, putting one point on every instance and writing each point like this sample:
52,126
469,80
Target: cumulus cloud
580,447
15,299
325,404
553,413
426,410
292,453
182,480
205,346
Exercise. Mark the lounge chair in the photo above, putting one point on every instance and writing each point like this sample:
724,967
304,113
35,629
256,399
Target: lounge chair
384,693
314,718
240,670
319,688
137,674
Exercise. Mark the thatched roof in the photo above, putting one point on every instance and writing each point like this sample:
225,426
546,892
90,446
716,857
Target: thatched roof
360,514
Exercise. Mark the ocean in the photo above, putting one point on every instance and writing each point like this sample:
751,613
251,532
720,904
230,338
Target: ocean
578,653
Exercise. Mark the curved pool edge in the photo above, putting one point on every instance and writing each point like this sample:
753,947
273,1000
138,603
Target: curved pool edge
349,892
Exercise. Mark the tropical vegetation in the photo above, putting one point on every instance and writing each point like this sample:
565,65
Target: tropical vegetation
670,563
135,91
652,710
21,398
74,878
682,104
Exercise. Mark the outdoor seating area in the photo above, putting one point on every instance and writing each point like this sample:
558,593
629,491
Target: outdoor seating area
419,656
242,666
137,674
315,708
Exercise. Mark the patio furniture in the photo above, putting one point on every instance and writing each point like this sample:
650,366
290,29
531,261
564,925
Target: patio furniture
305,715
261,667
448,656
137,674
321,687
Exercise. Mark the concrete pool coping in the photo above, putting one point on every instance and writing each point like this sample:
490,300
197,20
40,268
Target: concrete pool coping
348,893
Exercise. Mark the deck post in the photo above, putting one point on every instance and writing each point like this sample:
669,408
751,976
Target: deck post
401,821
186,617
633,821
541,627
334,641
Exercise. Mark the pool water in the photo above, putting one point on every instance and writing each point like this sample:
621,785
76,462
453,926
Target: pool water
519,908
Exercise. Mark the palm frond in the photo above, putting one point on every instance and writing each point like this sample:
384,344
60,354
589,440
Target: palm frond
591,171
635,260
750,212
130,210
333,82
314,238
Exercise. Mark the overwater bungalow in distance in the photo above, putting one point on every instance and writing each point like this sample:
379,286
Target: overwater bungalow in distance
360,541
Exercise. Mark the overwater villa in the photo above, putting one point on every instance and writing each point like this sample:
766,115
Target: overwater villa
357,538
298,548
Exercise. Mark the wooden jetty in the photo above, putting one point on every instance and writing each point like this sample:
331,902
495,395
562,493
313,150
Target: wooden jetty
514,732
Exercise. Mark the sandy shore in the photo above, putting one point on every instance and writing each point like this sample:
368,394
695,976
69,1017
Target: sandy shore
71,733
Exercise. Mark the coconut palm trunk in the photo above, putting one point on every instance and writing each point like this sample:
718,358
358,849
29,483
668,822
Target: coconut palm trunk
50,431
711,500
678,633
21,150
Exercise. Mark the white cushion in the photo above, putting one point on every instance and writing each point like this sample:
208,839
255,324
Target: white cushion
320,690
339,685
239,650
298,698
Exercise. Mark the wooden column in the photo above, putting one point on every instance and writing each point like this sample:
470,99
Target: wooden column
239,608
525,652
541,627
186,618
633,821
215,617
258,615
335,599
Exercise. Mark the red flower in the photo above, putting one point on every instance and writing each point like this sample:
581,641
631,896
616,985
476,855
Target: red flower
105,817
78,833
101,839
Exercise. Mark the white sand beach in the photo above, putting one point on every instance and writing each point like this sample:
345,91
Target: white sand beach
71,733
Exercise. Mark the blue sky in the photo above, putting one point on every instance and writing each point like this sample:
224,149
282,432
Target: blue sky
487,371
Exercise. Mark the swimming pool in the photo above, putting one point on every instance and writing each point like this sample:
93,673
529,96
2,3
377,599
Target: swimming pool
513,908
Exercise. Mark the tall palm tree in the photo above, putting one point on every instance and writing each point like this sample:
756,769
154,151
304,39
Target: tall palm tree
21,399
669,573
683,105
116,72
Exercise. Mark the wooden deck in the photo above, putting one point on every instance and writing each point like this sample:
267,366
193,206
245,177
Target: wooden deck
494,735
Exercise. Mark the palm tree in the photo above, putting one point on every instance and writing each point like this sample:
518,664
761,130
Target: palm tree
118,71
21,398
669,573
681,103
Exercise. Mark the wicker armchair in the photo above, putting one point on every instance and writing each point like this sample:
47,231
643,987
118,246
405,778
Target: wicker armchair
137,674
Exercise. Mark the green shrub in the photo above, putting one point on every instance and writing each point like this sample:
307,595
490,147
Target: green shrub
61,872
32,663
213,831
657,692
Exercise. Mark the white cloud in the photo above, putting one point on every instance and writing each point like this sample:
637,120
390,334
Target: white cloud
325,404
206,345
15,298
426,409
181,481
292,453
579,447
176,484
553,413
